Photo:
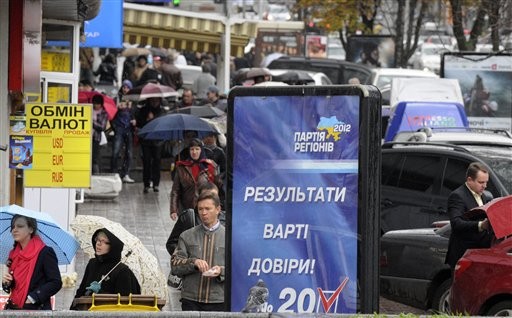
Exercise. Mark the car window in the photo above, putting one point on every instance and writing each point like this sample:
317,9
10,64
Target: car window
454,175
350,72
500,161
391,168
419,172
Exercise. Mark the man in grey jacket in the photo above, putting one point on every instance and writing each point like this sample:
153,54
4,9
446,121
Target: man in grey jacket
199,259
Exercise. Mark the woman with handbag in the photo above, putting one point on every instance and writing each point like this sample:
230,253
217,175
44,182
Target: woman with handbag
33,276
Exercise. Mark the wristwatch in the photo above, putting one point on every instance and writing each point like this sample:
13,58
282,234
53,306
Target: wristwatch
32,301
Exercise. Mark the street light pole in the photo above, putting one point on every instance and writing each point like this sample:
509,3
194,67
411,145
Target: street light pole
226,52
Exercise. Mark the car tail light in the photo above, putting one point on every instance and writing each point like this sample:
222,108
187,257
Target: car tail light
461,266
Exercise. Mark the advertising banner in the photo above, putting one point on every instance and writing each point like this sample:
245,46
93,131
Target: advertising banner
375,50
106,29
295,210
20,153
61,145
316,46
485,82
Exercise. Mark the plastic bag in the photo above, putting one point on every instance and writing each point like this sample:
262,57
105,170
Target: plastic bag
103,139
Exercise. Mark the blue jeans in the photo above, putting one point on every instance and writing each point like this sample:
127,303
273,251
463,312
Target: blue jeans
123,136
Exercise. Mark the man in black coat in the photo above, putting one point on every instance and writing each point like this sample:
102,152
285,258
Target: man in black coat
468,233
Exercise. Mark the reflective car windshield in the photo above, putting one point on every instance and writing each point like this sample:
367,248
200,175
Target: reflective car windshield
499,159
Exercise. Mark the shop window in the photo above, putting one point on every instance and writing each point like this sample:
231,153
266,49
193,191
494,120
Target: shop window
57,48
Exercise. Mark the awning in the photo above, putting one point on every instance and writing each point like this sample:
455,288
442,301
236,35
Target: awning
182,30
71,10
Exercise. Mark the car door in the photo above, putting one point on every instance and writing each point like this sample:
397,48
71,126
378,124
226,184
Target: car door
408,182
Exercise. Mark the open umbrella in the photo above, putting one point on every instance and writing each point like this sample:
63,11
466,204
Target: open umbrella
294,78
172,126
108,102
52,234
499,212
205,111
256,72
149,90
143,264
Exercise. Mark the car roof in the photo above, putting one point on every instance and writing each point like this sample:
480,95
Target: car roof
403,72
325,65
458,136
314,75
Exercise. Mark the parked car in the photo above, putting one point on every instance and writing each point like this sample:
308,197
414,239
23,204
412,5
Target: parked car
417,178
489,269
428,56
412,268
384,76
338,71
336,51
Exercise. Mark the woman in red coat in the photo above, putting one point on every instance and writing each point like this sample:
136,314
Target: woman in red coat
191,173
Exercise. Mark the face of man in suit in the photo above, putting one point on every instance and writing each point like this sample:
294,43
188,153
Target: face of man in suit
479,183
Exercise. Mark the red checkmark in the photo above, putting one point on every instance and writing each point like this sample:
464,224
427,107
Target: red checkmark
327,303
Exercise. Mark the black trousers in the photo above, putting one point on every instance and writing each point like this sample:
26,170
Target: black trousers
151,156
190,305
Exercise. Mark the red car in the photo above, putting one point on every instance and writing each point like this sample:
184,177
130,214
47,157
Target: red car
482,283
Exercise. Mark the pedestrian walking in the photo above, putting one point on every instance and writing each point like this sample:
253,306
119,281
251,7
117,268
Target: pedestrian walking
202,82
33,275
123,124
202,270
151,149
190,173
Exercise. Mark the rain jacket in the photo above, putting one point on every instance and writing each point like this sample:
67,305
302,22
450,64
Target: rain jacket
121,280
200,243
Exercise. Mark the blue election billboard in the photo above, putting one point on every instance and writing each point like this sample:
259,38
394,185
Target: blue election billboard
106,29
293,195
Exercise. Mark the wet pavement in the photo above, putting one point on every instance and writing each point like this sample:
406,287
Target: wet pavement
147,217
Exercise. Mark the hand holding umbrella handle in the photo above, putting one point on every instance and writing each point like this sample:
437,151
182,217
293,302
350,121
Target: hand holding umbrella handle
94,287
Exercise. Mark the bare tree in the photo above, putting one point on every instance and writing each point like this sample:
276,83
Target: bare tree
484,8
406,41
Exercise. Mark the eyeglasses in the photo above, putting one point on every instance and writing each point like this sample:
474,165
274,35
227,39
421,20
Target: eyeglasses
102,241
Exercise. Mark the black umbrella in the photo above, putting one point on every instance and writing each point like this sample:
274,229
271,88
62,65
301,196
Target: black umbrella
205,111
172,126
294,78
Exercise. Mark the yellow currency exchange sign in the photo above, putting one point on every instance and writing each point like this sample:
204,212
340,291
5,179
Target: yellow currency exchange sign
62,145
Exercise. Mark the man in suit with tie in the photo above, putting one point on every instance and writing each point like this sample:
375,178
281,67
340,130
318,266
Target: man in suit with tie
468,233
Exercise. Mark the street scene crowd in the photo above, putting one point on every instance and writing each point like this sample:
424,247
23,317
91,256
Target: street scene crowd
150,126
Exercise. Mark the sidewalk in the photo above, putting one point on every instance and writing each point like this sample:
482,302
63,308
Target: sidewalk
147,217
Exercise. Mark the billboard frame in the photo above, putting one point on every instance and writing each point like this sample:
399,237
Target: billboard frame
368,198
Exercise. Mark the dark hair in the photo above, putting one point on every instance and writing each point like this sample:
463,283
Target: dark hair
31,222
97,99
207,186
196,142
473,169
209,195
86,82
